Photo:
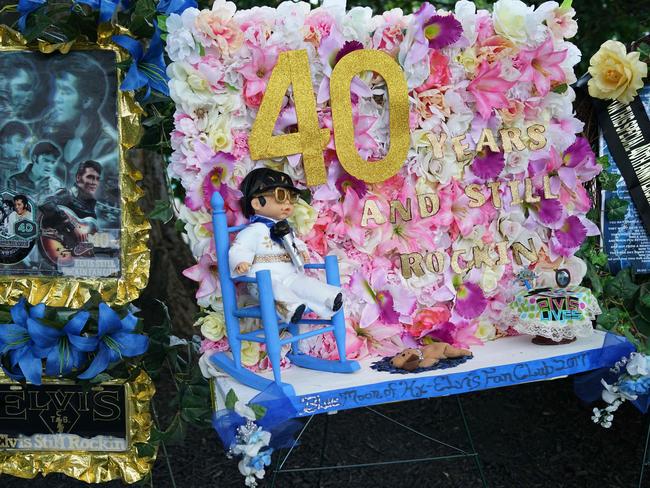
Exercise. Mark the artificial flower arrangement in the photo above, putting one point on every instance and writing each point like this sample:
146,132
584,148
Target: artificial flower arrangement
466,70
66,343
253,431
627,380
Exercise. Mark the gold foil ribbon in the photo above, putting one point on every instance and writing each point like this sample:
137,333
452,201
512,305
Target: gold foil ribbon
93,467
73,292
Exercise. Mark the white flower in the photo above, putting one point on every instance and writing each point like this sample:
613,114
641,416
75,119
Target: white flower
465,12
518,22
213,326
199,238
357,24
485,331
180,43
189,88
638,365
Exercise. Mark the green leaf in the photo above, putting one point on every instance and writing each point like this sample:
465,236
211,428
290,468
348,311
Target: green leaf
145,449
560,88
231,399
611,318
259,410
622,287
645,298
603,161
594,279
162,210
608,180
616,208
566,5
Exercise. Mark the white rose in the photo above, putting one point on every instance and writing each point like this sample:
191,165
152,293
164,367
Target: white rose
357,24
213,326
517,21
303,218
199,238
485,331
180,44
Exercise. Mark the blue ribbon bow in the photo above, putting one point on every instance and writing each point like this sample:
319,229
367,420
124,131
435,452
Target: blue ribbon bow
148,69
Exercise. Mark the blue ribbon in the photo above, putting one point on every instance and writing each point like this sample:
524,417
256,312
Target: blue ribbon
26,7
116,339
148,69
168,7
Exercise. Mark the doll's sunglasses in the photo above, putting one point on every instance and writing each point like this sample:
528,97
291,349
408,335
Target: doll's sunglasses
282,195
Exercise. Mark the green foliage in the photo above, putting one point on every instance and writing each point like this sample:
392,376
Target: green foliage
616,208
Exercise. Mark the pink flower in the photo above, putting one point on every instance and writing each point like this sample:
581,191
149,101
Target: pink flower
384,302
427,319
214,180
211,346
542,66
470,300
582,159
550,211
319,26
220,32
455,209
348,47
389,36
257,72
439,69
240,144
204,272
489,88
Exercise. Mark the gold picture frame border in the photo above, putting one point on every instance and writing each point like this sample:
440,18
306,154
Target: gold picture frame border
99,466
135,255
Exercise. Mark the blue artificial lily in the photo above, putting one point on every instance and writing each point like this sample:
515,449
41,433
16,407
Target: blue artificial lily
148,69
16,339
26,7
106,8
116,339
168,7
65,349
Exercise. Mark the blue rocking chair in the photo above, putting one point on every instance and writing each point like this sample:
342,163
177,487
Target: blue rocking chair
271,325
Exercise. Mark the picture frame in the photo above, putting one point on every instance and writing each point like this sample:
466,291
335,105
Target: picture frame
90,457
64,133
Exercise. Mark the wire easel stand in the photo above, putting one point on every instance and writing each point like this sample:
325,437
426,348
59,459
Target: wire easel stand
455,453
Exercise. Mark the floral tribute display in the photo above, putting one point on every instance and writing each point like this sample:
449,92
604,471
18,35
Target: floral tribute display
450,161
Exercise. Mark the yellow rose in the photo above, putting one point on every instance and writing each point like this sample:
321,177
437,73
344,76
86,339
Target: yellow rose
212,326
250,353
468,59
485,331
616,74
303,218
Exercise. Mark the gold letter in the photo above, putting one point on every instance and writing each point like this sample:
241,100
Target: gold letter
461,148
429,204
537,140
411,263
514,189
473,191
404,213
487,139
529,197
503,253
437,144
482,255
548,195
518,250
496,196
511,136
437,265
371,211
400,138
455,265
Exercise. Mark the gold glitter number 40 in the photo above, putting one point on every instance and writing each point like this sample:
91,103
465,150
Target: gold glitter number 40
292,69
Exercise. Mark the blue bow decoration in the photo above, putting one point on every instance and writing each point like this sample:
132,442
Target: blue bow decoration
117,339
26,7
16,339
148,69
168,7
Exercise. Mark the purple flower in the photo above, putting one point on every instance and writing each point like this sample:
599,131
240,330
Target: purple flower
488,164
347,181
442,30
348,47
568,238
580,157
550,211
444,332
470,300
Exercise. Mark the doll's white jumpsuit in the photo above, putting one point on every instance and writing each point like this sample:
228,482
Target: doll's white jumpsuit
291,287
